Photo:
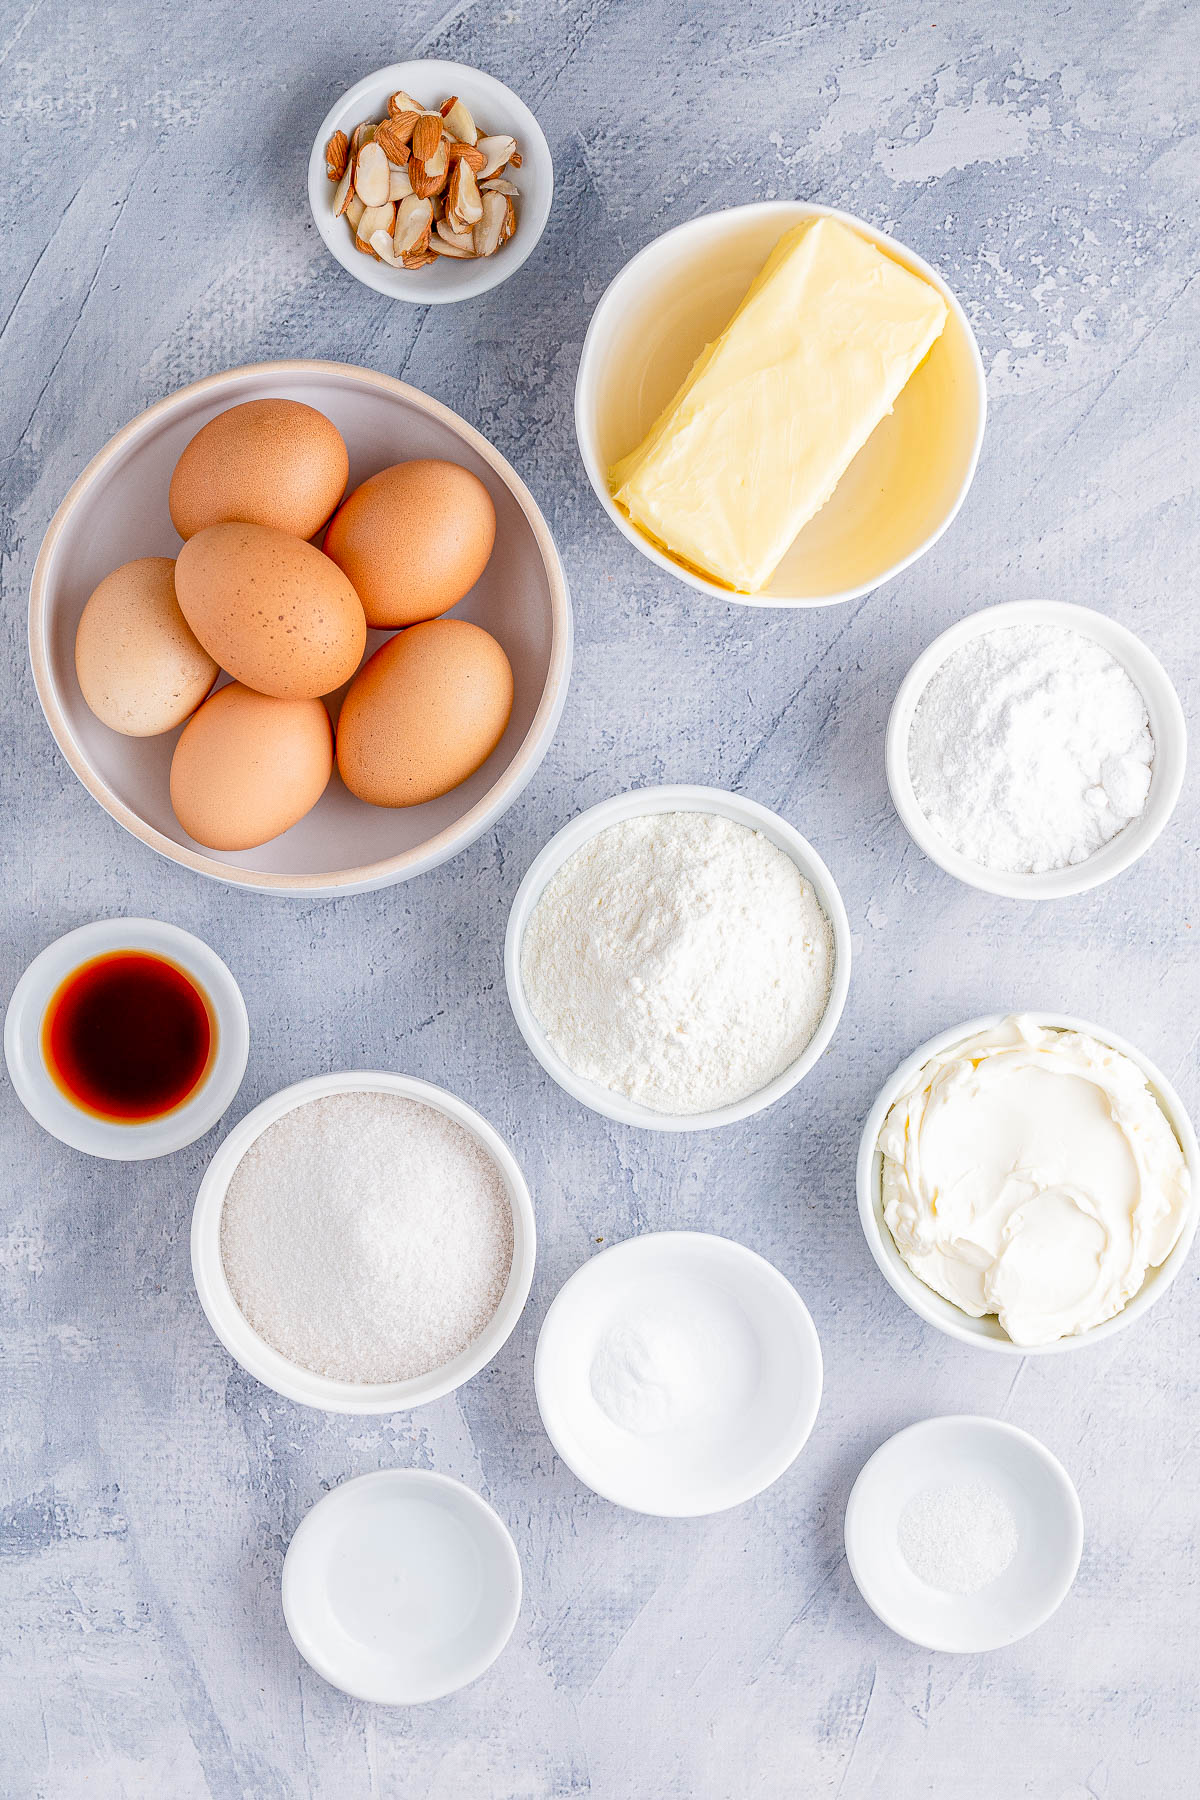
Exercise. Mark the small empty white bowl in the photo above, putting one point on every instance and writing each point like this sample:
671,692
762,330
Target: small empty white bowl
965,1451
988,1333
117,1140
668,800
266,1364
903,488
401,1586
1166,725
497,111
739,1336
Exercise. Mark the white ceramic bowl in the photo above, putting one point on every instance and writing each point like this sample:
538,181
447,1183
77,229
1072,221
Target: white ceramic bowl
987,1333
962,1451
665,800
43,1098
1166,724
401,1586
735,1444
117,510
496,109
266,1364
904,486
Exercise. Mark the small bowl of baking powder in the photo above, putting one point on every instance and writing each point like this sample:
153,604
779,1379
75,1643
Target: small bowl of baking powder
677,958
1035,749
363,1242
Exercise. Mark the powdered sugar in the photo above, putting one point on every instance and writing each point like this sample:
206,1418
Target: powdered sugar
680,959
958,1538
367,1237
1030,748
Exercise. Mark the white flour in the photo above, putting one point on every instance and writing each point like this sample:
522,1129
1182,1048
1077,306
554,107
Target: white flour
367,1237
958,1538
679,959
1029,749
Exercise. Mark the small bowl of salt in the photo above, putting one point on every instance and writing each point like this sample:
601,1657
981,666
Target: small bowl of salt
963,1533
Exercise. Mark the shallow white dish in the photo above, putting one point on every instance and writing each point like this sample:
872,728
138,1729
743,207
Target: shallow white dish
117,509
987,1332
665,800
953,1451
401,1586
1166,725
43,1098
496,110
903,488
725,1454
266,1364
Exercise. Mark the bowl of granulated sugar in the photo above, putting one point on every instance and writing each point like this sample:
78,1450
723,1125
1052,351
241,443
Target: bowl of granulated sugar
363,1243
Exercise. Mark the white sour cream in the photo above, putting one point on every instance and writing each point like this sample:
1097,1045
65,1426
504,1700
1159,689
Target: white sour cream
1031,1173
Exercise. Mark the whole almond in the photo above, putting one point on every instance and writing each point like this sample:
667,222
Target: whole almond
427,135
337,151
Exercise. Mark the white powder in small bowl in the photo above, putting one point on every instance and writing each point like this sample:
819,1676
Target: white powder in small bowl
367,1237
959,1538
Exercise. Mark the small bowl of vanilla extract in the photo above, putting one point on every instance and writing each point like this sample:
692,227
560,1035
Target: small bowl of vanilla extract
127,1038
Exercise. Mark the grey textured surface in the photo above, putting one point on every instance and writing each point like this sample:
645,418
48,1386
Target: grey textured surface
155,230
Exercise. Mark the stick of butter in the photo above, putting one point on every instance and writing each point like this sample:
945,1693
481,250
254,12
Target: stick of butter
775,410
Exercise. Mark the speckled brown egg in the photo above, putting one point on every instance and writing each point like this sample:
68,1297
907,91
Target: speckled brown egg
273,611
423,713
140,667
266,462
413,540
248,766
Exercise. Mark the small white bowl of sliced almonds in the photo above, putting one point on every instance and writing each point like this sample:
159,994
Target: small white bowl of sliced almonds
430,181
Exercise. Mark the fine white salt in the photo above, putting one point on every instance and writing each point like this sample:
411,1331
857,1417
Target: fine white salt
367,1237
958,1538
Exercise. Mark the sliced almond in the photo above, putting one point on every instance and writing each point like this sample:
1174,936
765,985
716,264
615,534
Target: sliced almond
473,158
496,184
400,102
515,160
440,247
394,137
344,192
423,183
439,162
381,244
418,259
498,151
375,218
362,134
510,219
458,240
354,212
372,176
464,204
337,153
491,224
458,122
414,217
401,185
427,135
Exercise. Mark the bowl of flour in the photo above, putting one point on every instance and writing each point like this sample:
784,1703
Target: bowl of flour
677,958
1035,749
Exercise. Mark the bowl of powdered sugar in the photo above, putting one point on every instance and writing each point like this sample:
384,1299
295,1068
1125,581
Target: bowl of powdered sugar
677,958
363,1243
1035,749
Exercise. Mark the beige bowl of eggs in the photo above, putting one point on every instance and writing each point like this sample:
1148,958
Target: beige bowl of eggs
300,628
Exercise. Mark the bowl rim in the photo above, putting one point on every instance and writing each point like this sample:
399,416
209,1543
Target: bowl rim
429,1480
716,1247
635,803
405,864
1168,727
586,382
252,1353
1032,1447
488,272
932,1307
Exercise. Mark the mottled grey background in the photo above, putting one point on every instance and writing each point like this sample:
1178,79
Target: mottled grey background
155,229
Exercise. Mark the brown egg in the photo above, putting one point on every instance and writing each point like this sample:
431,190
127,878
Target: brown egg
247,767
423,713
140,668
273,611
266,462
413,540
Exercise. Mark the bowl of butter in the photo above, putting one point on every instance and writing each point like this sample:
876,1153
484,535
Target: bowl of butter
780,405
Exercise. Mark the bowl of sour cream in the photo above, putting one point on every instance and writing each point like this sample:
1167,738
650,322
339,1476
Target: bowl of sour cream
1028,1184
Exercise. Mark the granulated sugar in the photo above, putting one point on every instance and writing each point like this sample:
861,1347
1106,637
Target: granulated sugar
367,1237
958,1538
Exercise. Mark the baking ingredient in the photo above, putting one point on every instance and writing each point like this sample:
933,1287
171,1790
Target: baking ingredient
128,1036
265,462
367,1237
775,410
413,540
680,959
680,1354
247,767
275,612
139,665
423,713
1031,1173
1030,749
958,1538
423,184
